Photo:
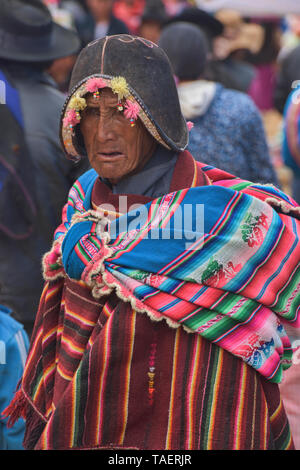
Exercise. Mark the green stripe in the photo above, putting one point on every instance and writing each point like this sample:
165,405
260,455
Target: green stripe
176,197
286,294
94,239
224,324
77,404
283,441
240,186
83,252
80,191
37,383
210,394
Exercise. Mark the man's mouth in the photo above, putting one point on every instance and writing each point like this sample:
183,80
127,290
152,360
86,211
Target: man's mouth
110,155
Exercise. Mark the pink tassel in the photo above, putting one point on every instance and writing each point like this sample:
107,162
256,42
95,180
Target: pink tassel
190,125
93,84
131,110
71,118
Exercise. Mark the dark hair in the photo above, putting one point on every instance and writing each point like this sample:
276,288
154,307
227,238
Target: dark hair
186,46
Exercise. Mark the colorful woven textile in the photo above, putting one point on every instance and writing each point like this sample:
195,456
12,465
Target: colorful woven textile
107,377
101,375
232,283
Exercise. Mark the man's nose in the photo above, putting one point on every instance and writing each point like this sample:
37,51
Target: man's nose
104,129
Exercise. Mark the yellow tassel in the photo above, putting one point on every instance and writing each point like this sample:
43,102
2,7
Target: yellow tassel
120,87
77,103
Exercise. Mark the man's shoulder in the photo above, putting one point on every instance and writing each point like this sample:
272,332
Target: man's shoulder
42,103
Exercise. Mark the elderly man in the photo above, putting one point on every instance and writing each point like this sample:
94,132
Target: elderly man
161,321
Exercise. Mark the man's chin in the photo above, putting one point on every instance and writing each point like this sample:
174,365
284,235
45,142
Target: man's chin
112,176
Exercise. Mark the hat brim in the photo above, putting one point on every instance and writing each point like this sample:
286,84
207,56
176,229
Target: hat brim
69,134
64,42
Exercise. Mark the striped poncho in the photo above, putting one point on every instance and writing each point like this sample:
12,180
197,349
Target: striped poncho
199,369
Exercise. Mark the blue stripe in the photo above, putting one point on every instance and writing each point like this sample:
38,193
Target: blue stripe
273,191
198,294
170,305
208,167
72,264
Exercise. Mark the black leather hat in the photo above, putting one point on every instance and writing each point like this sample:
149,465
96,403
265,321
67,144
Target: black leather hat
28,33
147,72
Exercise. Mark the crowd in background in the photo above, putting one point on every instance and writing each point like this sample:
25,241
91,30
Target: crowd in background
256,56
238,82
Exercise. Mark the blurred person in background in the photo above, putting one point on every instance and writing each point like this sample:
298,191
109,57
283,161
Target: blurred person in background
265,63
152,20
35,178
175,7
287,61
243,38
63,13
290,388
77,8
291,139
237,40
60,71
100,21
221,66
130,12
13,353
228,131
287,77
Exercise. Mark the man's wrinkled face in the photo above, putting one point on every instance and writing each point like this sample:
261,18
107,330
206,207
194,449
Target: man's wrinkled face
114,148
